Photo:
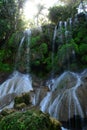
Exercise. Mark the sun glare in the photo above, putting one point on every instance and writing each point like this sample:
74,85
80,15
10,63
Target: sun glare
30,10
31,7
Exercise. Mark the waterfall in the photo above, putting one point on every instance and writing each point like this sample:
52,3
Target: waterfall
66,32
19,53
60,31
62,101
28,35
82,8
22,58
66,42
70,28
62,42
53,49
57,41
70,23
35,97
17,83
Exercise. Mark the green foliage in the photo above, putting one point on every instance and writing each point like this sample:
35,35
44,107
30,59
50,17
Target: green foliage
8,21
2,54
56,13
67,2
3,65
61,13
83,53
48,62
7,52
80,38
66,50
80,31
35,40
72,52
23,98
28,120
40,52
12,39
43,48
10,24
83,48
84,59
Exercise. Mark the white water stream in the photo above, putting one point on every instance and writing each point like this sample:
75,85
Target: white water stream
17,83
63,101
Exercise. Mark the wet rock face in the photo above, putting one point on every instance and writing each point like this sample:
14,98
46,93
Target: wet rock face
38,94
82,94
68,98
3,77
65,97
17,84
21,101
75,123
6,100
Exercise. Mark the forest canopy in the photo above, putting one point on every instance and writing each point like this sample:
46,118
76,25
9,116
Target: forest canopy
13,23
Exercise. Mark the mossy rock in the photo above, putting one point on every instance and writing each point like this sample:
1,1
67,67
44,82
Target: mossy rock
55,124
6,112
1,116
21,106
29,120
23,98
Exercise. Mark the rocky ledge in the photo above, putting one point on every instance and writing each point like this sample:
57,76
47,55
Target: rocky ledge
33,119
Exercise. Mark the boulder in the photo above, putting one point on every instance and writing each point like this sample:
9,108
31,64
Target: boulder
21,101
29,120
67,100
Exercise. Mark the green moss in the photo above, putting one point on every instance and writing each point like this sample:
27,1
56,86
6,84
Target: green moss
20,106
29,120
6,112
23,98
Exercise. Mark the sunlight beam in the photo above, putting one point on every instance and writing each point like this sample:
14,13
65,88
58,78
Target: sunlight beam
31,7
30,10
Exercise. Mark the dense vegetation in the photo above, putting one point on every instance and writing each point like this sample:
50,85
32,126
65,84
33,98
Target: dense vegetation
70,53
29,120
11,32
10,24
46,54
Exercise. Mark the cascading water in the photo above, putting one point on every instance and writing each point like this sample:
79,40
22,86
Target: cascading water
82,8
66,100
70,23
53,49
60,31
70,28
19,54
63,103
35,97
28,35
63,43
22,60
67,42
66,31
17,83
